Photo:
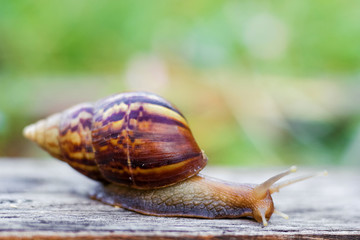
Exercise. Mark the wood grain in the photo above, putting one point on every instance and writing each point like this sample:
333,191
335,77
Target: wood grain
46,199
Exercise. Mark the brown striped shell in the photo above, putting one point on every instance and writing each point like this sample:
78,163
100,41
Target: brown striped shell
134,139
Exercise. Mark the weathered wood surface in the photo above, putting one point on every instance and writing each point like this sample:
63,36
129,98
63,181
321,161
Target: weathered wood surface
47,199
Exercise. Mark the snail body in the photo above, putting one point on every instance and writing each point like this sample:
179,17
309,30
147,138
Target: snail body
199,197
141,149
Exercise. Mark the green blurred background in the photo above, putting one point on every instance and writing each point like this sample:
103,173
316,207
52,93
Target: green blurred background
260,82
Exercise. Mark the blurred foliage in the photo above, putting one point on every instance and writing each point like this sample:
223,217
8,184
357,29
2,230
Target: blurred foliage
261,82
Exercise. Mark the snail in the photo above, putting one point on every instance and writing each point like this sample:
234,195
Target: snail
141,149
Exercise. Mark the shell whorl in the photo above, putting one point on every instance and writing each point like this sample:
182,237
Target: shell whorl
67,136
134,139
45,133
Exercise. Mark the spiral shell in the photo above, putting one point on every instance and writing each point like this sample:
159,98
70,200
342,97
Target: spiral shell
134,139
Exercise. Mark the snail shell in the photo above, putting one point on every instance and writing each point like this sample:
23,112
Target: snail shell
134,139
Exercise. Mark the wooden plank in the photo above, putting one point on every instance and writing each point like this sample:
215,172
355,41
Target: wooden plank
48,200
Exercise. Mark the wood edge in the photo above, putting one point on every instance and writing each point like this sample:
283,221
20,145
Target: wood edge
288,235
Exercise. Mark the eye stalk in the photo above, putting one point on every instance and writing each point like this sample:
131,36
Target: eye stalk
264,207
277,187
261,190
